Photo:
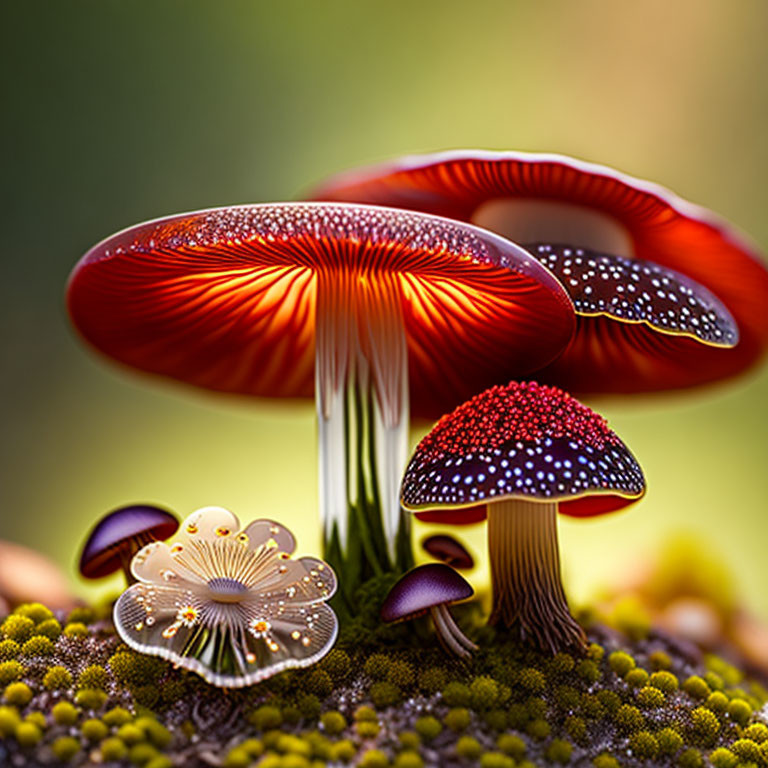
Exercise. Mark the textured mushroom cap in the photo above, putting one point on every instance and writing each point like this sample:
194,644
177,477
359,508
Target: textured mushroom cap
664,230
526,441
446,548
422,588
101,553
225,299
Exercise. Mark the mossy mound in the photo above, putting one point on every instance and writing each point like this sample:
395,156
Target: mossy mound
395,700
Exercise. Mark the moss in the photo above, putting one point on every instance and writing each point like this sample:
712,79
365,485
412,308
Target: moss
10,671
377,666
605,761
401,674
93,676
9,649
308,706
664,680
457,719
333,722
252,747
644,745
739,711
496,760
469,748
117,716
567,697
457,694
758,732
90,698
660,660
650,698
28,734
517,715
112,749
591,706
36,612
428,727
559,751
9,719
669,741
155,731
536,707
621,663
690,758
49,628
57,678
484,693
746,750
636,678
237,757
432,679
367,729
337,664
538,729
38,718
561,664
408,759
610,700
294,745
704,727
94,730
495,719
265,717
628,718
409,740
18,628
714,681
717,702
373,758
730,674
723,758
532,680
511,745
82,614
65,748
365,713
695,687
76,630
343,751
17,694
160,761
65,713
37,645
576,728
631,618
384,694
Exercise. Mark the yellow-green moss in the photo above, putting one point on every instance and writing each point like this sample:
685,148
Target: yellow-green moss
496,760
484,693
94,730
49,628
650,697
385,694
65,748
18,628
90,698
561,664
512,745
538,729
746,750
669,741
237,757
704,726
457,719
428,727
57,678
9,719
17,694
636,678
117,716
644,745
367,729
408,758
82,614
532,680
409,740
374,758
559,751
432,679
739,711
28,734
576,728
723,758
333,722
456,694
266,717
365,713
628,718
76,629
401,674
621,663
660,660
717,702
690,758
10,671
343,751
664,680
758,732
696,687
93,676
469,748
495,719
37,612
37,645
606,761
377,665
113,748
9,649
65,713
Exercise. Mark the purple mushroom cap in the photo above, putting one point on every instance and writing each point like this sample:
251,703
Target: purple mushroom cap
448,550
422,588
122,530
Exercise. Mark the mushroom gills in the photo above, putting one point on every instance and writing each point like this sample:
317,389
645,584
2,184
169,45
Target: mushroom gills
528,592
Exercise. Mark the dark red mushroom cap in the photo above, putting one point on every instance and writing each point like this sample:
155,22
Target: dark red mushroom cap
422,588
527,441
664,230
117,531
448,550
225,299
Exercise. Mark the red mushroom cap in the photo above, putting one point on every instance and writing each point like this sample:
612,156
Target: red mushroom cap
527,441
225,299
663,229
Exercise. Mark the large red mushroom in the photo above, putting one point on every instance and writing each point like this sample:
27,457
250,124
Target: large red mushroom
668,295
366,308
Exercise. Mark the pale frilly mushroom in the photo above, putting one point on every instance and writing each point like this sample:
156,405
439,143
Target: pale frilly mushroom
229,604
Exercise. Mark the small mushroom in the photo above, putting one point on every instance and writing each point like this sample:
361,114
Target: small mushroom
449,551
431,588
521,453
667,294
119,535
27,576
228,603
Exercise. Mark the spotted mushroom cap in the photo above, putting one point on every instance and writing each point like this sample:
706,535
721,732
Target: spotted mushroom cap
696,280
523,440
229,603
103,551
225,299
422,588
448,550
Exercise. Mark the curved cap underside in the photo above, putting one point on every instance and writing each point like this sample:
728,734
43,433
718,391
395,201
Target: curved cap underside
225,299
525,441
663,228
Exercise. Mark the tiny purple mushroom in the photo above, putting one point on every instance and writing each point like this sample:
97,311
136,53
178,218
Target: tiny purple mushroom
446,549
431,588
119,535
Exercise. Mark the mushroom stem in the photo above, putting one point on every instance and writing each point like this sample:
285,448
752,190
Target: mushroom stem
361,372
450,636
528,594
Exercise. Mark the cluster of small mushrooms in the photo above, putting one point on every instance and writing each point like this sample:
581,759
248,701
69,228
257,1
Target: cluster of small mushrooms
442,282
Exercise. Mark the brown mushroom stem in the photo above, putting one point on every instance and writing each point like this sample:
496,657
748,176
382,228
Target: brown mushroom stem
528,594
361,373
127,552
449,634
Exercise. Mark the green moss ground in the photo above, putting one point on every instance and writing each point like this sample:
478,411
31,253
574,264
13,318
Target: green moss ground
385,696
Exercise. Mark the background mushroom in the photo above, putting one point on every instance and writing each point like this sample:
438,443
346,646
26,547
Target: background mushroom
523,452
431,589
119,535
368,308
663,288
448,550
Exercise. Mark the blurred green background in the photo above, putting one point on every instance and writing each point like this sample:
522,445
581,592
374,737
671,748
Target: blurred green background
115,112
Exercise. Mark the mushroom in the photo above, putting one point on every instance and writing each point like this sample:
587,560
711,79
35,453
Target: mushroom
523,452
431,588
119,535
667,294
228,604
446,549
370,308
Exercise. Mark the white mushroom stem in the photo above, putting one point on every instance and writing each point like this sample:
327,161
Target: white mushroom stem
361,373
528,594
449,633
